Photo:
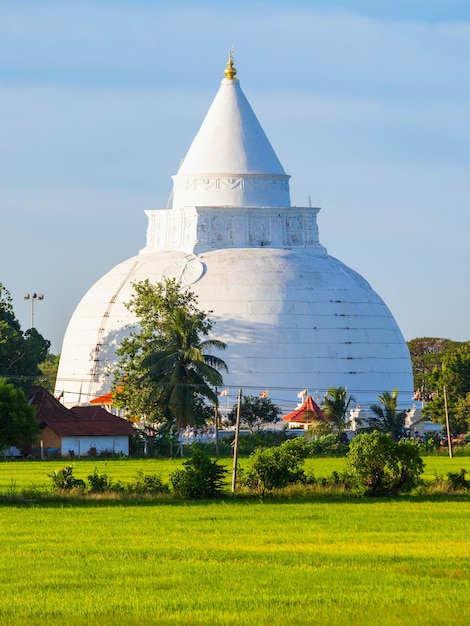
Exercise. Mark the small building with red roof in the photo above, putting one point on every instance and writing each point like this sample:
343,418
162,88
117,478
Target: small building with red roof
304,415
80,431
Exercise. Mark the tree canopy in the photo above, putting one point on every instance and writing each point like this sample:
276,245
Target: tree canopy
387,418
427,354
20,352
255,413
18,426
335,408
165,366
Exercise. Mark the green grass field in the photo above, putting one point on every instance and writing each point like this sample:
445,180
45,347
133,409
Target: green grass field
338,562
323,561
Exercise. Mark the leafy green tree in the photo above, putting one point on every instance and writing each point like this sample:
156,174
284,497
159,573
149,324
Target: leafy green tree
20,353
426,356
461,414
454,375
164,365
182,370
388,419
150,303
335,408
255,413
18,426
48,374
384,466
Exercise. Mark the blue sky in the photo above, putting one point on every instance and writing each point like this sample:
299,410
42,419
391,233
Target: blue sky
367,105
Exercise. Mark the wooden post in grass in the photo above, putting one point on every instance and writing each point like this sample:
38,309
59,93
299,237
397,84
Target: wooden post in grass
449,436
235,443
216,429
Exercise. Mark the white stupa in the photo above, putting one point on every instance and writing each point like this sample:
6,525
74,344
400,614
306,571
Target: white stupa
293,317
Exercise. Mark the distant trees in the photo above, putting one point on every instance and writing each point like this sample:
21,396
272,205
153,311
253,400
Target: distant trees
20,352
165,367
426,356
439,364
255,413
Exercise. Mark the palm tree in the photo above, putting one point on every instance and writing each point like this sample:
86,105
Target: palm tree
388,419
181,370
335,408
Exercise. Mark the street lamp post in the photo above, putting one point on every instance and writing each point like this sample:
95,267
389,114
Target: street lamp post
33,297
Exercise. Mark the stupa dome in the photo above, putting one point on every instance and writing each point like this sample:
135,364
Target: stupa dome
293,317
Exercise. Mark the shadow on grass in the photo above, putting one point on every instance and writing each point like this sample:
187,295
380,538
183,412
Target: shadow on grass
102,500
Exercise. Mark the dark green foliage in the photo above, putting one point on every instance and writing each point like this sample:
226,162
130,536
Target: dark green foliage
98,483
225,447
165,365
200,478
147,483
64,480
264,439
335,407
276,468
439,363
458,480
181,371
326,445
48,373
255,413
20,352
426,356
388,419
384,466
18,426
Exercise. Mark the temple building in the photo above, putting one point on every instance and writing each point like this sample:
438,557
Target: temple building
292,316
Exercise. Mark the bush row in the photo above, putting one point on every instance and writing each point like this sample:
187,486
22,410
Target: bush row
376,466
200,478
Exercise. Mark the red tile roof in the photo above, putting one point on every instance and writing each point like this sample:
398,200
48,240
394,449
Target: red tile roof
47,406
309,411
81,420
100,419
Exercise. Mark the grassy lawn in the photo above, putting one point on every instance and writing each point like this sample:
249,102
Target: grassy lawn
323,561
336,562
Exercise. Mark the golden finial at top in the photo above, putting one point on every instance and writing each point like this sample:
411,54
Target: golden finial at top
230,71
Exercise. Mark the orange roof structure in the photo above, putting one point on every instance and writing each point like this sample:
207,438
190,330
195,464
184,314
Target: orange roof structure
308,412
107,398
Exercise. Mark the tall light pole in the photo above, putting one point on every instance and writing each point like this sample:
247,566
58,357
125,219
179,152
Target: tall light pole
33,297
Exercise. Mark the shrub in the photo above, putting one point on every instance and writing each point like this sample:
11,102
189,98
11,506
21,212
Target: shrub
64,480
383,466
147,483
97,483
200,478
458,481
276,468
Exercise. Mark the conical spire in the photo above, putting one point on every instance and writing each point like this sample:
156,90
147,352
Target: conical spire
231,161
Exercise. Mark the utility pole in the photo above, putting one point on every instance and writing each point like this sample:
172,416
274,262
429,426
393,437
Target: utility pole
449,436
33,297
216,426
235,443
